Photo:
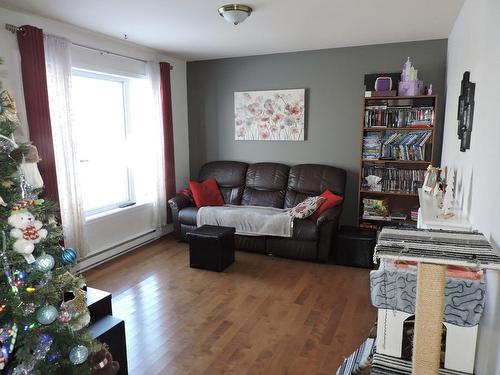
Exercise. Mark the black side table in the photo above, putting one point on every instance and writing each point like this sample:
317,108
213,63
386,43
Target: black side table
354,246
211,247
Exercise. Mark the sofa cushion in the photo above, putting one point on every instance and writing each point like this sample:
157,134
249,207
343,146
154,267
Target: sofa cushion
230,176
188,215
265,185
206,193
306,180
305,230
307,207
331,200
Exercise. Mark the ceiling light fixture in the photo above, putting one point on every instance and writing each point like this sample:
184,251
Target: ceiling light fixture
235,13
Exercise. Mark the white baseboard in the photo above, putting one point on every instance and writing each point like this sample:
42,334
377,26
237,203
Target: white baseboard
102,256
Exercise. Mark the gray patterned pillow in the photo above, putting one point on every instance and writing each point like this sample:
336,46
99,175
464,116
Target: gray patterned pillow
307,207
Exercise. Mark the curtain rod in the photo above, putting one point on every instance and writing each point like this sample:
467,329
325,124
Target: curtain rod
14,29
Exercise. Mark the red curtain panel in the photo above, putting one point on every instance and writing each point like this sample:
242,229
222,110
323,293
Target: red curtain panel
168,132
36,98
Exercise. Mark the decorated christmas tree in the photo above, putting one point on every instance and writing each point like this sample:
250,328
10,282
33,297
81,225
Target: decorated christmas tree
43,310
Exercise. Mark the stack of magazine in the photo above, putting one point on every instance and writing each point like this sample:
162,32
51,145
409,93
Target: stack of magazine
376,209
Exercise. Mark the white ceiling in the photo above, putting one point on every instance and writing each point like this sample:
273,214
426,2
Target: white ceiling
192,29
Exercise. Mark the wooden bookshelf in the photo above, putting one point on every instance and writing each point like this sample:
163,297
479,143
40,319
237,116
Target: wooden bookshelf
398,201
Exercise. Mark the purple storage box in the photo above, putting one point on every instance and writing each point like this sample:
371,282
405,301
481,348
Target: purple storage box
410,88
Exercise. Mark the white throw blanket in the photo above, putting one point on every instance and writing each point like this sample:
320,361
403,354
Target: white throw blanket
248,220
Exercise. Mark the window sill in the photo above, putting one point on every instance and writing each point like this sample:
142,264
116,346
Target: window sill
116,211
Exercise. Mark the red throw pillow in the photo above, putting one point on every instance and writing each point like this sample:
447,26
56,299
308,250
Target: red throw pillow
206,193
332,200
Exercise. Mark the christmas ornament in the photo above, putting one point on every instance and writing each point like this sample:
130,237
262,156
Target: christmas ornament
9,112
102,363
46,314
43,347
78,354
68,255
2,202
77,309
53,357
29,169
44,263
7,333
64,317
27,231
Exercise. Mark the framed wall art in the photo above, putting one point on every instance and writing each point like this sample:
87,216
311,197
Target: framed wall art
272,115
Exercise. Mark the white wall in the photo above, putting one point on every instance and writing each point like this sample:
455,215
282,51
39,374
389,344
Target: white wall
474,45
115,229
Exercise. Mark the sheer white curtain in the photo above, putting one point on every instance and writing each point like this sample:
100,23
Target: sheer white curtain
58,67
156,138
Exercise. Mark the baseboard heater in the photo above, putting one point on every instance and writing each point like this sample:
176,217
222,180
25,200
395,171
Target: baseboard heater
102,256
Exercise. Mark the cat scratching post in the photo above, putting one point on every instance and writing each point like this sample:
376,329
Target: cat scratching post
433,251
431,280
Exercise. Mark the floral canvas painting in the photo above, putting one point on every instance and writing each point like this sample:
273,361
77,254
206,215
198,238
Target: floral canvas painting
274,115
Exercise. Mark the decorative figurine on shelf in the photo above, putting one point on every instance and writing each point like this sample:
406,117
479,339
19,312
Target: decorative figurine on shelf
449,197
431,179
409,84
429,90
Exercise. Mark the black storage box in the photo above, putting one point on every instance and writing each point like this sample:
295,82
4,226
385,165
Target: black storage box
354,246
211,247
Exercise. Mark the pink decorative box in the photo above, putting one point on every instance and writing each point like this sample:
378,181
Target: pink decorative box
410,88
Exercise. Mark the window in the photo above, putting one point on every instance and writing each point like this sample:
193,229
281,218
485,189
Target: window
101,118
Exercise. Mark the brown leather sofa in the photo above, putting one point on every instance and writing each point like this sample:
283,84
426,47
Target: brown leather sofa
273,185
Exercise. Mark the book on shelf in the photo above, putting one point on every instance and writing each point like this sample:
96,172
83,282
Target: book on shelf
409,146
398,116
414,214
398,216
375,209
376,217
371,146
393,179
366,225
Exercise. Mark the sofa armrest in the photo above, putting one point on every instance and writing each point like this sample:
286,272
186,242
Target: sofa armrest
176,204
328,224
331,214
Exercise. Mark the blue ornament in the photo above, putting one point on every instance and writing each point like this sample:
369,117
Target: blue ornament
78,354
46,314
68,256
44,263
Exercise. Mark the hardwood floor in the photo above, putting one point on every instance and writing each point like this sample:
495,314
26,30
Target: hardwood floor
263,315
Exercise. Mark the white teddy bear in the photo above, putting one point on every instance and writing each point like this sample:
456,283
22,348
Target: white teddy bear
28,231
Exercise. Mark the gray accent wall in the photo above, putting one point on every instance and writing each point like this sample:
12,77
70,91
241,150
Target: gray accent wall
333,80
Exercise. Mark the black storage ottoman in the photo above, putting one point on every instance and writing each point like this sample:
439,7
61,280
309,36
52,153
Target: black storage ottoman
354,246
211,247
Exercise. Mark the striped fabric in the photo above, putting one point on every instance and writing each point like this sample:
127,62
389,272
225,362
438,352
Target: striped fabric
437,246
386,365
359,360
